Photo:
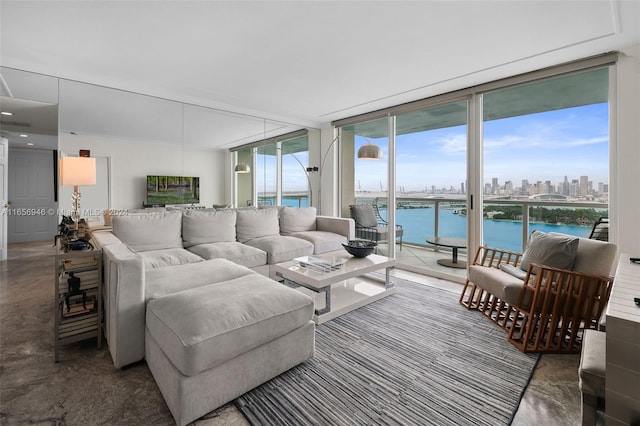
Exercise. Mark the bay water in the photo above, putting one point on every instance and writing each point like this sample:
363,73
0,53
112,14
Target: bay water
419,224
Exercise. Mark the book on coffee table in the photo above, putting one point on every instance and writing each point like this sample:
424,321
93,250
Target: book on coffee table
320,264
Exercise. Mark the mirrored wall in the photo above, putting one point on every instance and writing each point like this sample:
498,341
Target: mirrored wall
135,135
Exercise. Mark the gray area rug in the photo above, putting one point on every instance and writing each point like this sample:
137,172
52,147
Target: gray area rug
416,357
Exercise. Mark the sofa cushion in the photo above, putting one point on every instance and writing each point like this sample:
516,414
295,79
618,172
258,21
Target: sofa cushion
554,250
168,257
149,231
593,363
281,248
234,251
206,326
297,220
256,223
323,242
504,286
160,282
364,215
211,226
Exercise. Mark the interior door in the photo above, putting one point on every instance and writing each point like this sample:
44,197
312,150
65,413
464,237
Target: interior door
32,196
4,178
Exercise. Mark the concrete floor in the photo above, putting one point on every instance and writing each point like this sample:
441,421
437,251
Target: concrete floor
85,388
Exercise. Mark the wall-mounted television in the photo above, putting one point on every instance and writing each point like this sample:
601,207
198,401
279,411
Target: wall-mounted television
163,190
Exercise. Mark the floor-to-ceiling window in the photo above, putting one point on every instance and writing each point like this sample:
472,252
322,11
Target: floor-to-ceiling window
492,162
431,184
244,180
365,180
430,180
266,176
295,177
546,157
278,172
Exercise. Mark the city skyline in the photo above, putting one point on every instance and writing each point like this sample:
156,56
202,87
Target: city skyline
583,186
545,146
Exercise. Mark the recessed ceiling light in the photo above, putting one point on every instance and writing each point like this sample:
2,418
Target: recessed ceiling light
29,143
22,135
6,113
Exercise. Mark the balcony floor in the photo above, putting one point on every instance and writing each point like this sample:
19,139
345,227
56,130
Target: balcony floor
424,260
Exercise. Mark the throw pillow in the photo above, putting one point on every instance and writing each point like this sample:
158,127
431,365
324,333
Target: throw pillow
256,223
364,215
555,250
297,219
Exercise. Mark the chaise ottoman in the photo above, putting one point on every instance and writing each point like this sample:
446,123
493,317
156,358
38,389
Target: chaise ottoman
208,345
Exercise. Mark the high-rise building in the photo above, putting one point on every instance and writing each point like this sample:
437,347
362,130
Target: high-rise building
584,185
565,186
574,188
508,187
603,188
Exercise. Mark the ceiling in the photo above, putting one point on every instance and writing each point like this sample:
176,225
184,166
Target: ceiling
296,63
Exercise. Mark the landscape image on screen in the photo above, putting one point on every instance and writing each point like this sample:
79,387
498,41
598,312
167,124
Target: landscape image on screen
163,190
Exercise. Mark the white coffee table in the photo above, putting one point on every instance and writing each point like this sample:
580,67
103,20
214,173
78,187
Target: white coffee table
344,289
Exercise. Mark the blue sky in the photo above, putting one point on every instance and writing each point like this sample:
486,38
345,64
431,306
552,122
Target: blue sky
537,147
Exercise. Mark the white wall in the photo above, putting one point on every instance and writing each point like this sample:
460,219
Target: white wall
625,164
130,161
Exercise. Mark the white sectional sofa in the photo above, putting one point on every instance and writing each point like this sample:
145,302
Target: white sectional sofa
189,291
148,256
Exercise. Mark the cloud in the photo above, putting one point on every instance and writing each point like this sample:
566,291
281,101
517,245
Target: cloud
589,141
454,144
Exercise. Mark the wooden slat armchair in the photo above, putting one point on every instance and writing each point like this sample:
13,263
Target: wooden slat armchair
544,308
555,307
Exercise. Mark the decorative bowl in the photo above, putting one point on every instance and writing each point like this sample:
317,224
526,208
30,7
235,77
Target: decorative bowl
359,248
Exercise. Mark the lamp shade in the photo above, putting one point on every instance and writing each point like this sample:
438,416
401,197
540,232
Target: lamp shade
77,171
369,152
242,168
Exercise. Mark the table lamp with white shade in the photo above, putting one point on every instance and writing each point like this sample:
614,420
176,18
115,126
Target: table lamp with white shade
77,171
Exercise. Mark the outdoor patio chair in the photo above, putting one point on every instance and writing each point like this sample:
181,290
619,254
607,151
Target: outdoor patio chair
600,230
546,297
372,227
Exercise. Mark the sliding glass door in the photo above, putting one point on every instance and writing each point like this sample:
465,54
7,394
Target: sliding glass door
486,165
546,157
431,187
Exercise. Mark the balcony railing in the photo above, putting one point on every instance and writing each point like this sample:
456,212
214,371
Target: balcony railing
425,217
